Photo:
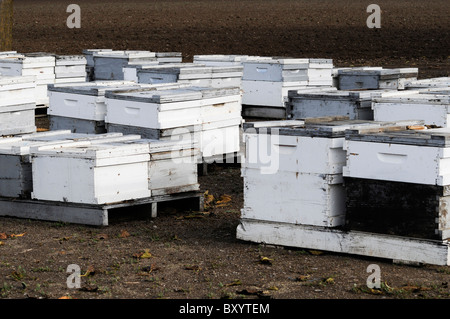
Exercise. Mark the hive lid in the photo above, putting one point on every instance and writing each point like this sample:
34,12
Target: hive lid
326,127
388,73
415,98
187,93
70,60
67,135
181,68
439,137
333,94
95,151
126,54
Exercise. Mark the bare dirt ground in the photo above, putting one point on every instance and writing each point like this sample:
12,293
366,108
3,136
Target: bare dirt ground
183,254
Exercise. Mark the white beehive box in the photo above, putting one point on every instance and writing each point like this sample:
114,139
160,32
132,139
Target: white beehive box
177,109
223,59
413,156
108,65
394,79
320,72
81,107
17,104
299,166
172,167
441,82
192,74
70,68
90,174
40,66
433,109
169,57
409,170
171,73
15,159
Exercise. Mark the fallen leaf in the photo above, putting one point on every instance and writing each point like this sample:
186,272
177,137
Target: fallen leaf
1,243
329,280
89,271
193,267
315,252
223,201
150,268
237,282
265,261
3,236
144,254
16,235
65,297
303,277
124,234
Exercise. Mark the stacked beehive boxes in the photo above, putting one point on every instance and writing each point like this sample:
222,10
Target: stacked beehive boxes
266,82
70,68
369,78
15,158
193,74
299,166
17,104
358,187
404,190
95,168
81,107
108,64
39,65
211,116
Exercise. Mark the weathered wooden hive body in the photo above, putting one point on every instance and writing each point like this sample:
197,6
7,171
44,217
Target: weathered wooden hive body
357,79
17,105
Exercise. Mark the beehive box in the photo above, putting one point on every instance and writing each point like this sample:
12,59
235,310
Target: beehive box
172,167
354,105
70,68
440,82
169,57
320,72
81,107
172,73
395,79
15,158
180,110
299,166
224,59
430,107
365,241
90,68
108,65
408,170
39,65
90,174
192,74
17,105
335,72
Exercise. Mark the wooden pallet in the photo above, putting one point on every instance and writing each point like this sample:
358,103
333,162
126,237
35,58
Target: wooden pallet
87,214
396,248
